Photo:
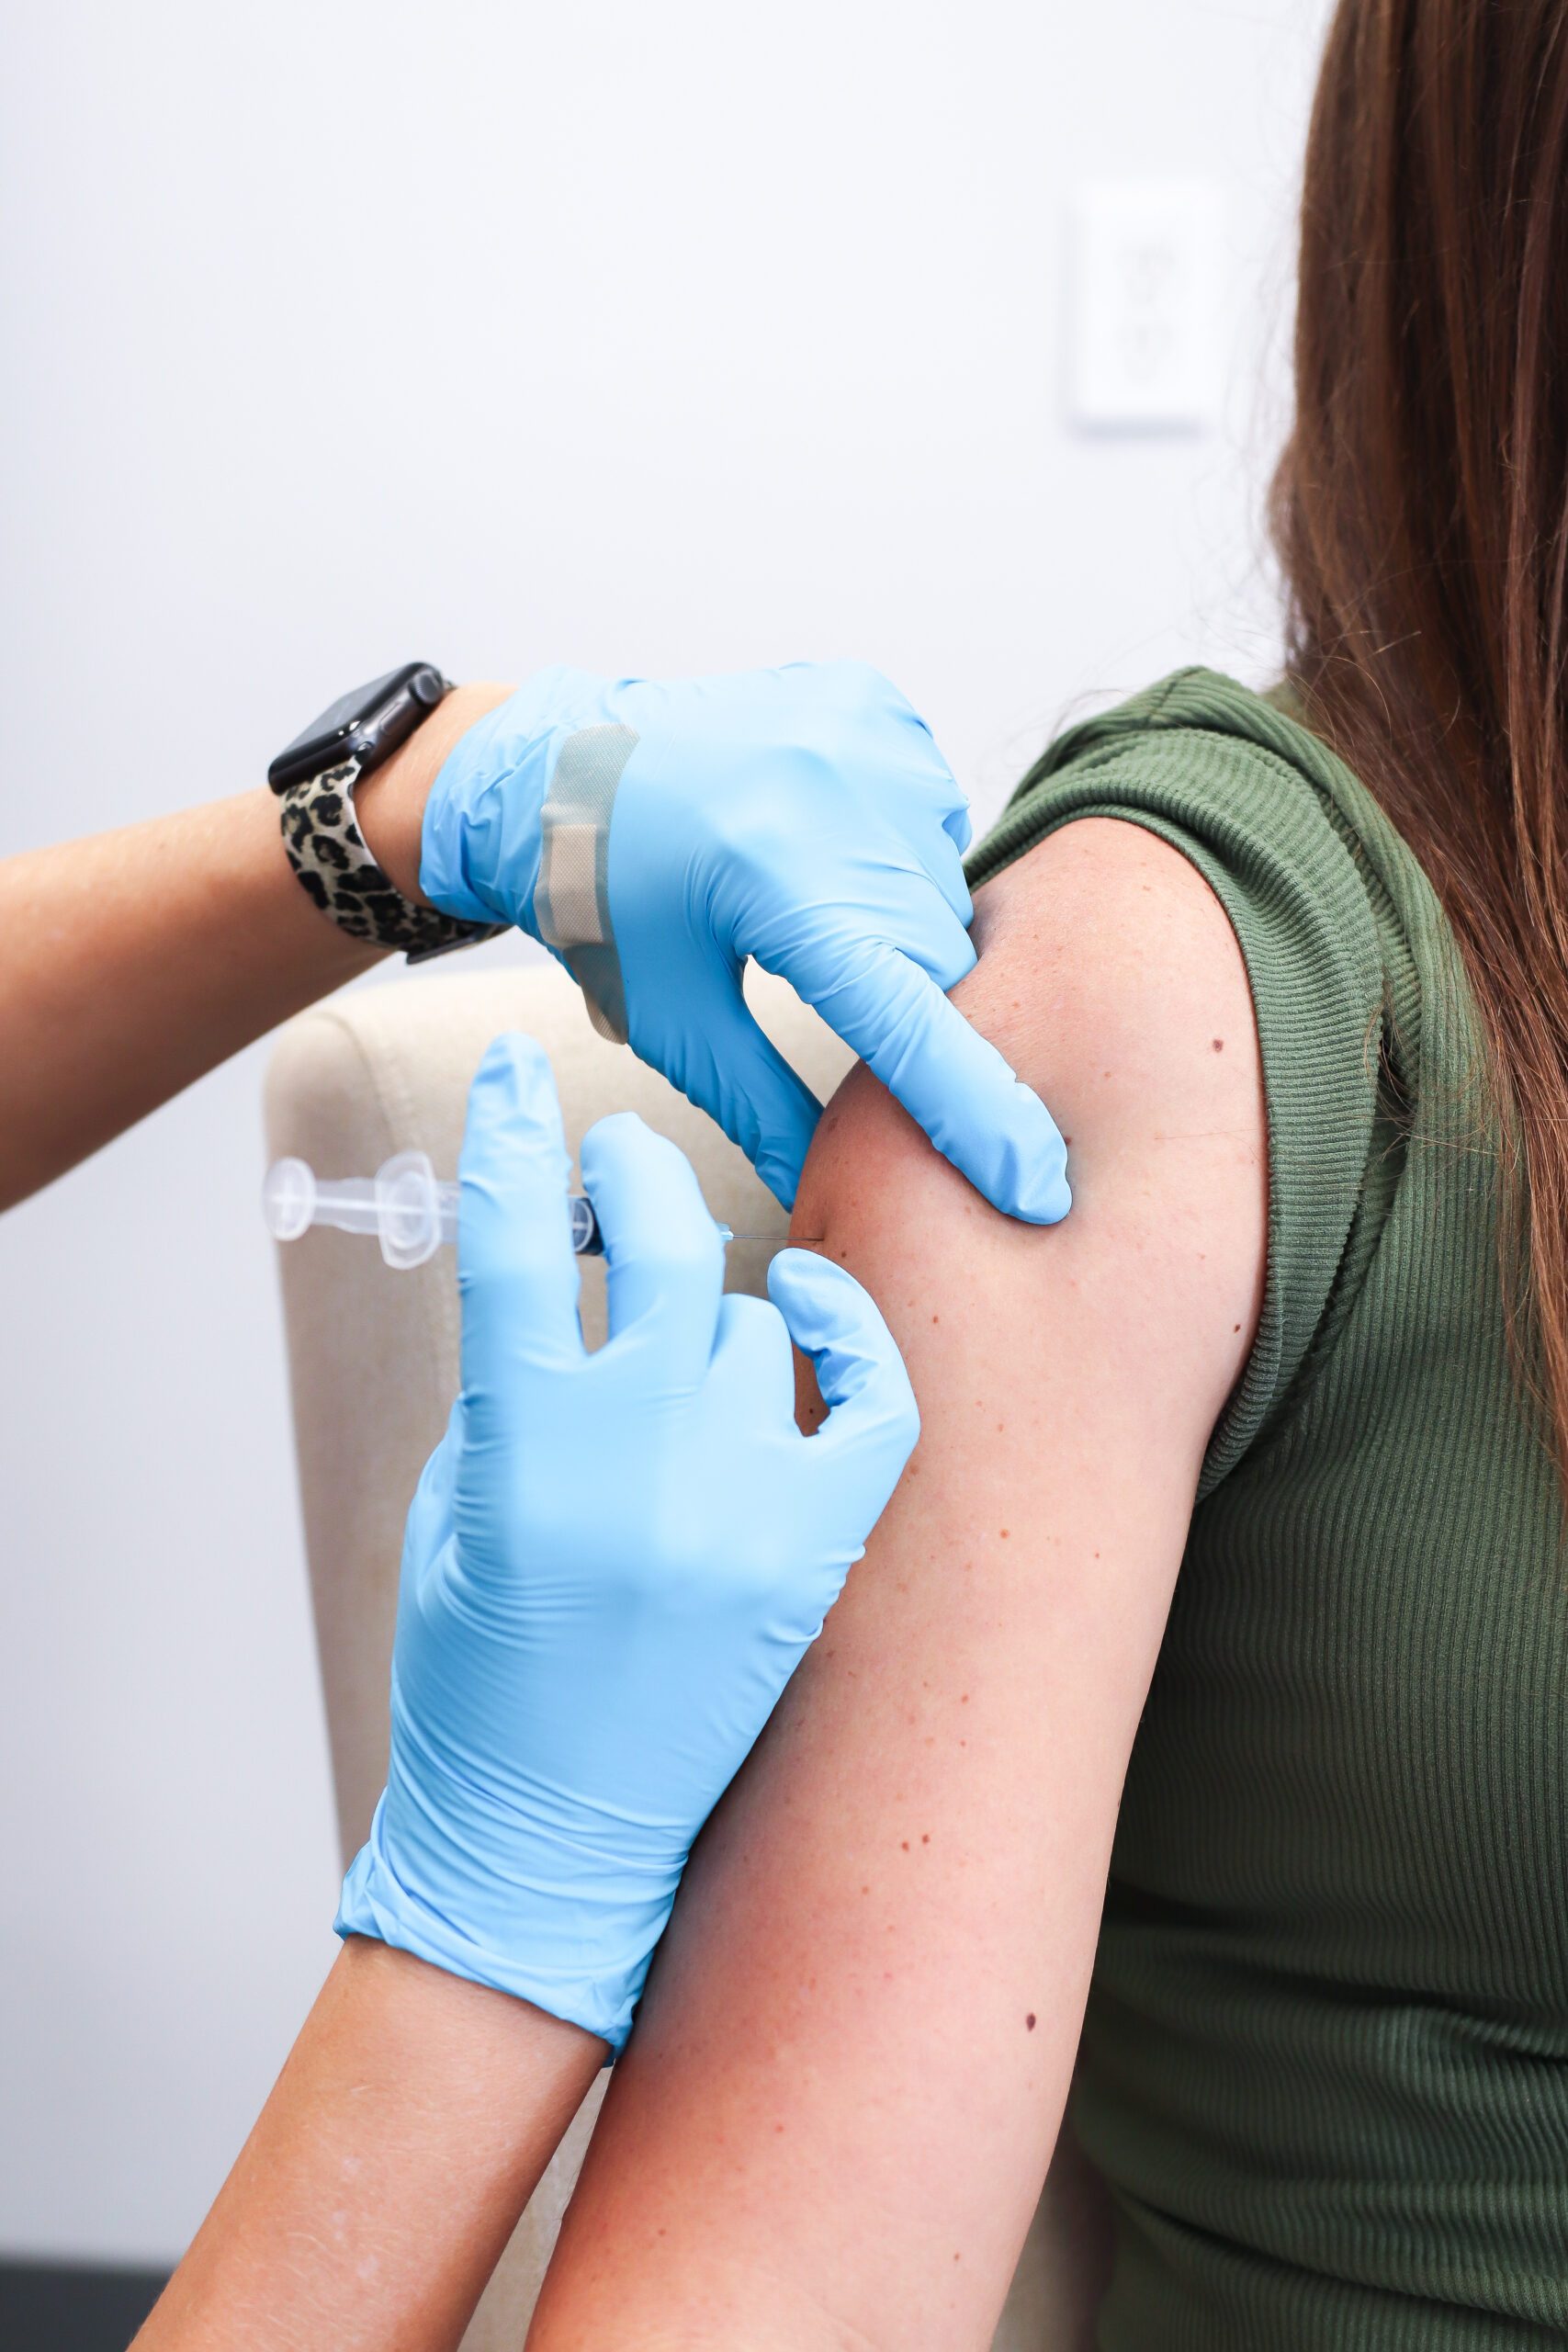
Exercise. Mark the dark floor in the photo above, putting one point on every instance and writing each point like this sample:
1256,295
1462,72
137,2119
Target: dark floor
58,2307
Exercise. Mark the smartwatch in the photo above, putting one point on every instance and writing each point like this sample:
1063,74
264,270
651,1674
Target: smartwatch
315,776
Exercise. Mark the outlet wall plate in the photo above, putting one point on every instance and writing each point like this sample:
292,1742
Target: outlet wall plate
1145,286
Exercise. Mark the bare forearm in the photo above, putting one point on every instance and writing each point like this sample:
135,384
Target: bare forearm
387,2170
134,962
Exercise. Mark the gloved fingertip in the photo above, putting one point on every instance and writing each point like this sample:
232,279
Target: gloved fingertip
978,1112
515,1066
1033,1183
802,1285
1053,1202
642,1185
838,1325
513,1106
619,1136
809,1291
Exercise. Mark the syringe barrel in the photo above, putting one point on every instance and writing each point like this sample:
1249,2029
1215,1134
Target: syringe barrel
403,1205
586,1237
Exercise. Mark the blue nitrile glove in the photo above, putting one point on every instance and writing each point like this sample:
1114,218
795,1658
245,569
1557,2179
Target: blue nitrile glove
613,1562
656,836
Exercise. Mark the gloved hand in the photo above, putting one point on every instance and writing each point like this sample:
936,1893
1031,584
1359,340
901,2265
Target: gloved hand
656,836
613,1562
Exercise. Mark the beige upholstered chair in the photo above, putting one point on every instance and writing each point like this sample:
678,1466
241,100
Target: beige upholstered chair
374,1363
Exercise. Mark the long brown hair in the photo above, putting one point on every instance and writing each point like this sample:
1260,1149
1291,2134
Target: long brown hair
1421,515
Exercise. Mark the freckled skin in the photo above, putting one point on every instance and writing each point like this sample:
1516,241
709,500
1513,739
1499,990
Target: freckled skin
1109,1344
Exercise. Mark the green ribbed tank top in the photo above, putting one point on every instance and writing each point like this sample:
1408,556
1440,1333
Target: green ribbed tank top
1324,2066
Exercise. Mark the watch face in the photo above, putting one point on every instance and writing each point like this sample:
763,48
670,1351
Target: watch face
364,725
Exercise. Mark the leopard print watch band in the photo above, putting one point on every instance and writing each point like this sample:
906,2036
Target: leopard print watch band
332,860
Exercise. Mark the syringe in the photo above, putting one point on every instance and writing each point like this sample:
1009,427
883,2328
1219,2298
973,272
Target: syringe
403,1204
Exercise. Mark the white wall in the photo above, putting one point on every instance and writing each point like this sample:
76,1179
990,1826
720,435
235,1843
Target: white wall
669,339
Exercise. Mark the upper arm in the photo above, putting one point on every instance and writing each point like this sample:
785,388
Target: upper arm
832,2120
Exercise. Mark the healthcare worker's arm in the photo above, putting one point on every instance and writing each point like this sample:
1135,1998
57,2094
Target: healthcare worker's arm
373,2200
653,836
833,2120
132,962
612,1564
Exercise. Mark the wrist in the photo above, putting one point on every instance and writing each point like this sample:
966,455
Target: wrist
556,1922
416,2113
389,804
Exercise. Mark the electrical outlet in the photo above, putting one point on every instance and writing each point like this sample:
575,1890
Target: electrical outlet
1145,278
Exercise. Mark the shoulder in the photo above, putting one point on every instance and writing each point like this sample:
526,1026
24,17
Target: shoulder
1285,836
1282,832
1325,907
1111,979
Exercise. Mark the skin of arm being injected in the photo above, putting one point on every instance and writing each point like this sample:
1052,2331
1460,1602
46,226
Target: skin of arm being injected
831,2124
